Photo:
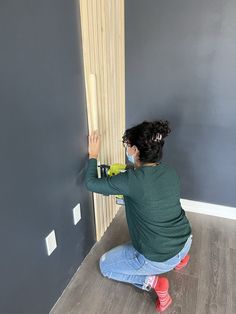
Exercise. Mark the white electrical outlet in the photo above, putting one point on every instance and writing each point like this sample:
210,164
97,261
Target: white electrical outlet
76,214
51,242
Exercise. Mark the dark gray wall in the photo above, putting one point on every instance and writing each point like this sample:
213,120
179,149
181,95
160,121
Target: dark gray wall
43,142
181,66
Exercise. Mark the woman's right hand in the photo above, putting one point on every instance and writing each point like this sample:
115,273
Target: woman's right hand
94,144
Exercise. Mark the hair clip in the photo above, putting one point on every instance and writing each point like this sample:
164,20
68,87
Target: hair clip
157,138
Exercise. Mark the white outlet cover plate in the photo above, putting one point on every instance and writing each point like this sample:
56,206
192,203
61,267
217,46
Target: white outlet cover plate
51,242
76,214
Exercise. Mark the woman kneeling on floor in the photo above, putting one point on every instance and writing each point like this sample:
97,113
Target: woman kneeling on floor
159,230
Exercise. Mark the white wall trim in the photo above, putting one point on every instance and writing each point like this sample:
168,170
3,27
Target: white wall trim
208,209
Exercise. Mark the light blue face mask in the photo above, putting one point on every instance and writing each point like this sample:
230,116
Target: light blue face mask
130,158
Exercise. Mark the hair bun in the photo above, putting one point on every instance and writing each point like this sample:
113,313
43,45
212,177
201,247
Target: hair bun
161,128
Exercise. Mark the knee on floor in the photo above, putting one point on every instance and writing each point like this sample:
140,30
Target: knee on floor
102,265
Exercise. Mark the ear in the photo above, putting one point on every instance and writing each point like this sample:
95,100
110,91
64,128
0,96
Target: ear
136,151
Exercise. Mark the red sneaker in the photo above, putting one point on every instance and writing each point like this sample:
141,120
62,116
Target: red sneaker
183,263
161,287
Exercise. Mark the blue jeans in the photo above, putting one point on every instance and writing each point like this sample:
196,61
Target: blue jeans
124,263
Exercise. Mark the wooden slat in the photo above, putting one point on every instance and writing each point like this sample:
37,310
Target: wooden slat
103,51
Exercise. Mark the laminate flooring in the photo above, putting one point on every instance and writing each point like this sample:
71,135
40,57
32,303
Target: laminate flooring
205,286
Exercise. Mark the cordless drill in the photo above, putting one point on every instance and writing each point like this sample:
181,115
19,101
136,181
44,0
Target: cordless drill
113,170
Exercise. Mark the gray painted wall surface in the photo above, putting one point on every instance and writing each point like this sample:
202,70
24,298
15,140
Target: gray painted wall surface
181,66
43,140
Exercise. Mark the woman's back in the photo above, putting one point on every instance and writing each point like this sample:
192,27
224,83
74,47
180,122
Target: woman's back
157,223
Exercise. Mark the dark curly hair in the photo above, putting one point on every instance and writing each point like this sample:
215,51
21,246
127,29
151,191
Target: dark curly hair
148,138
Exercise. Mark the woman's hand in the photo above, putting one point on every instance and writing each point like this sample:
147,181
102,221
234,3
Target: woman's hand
94,144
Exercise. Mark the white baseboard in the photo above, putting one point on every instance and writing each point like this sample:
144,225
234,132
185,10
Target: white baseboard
208,209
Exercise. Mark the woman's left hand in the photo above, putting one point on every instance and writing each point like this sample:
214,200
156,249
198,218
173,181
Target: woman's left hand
94,144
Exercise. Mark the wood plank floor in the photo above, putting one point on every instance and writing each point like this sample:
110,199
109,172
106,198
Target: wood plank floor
206,286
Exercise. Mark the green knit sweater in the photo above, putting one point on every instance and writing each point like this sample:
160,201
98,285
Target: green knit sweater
157,223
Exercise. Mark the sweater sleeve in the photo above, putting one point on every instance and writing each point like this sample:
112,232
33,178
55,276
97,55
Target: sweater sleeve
107,186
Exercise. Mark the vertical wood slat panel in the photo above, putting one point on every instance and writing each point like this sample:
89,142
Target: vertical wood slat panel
102,26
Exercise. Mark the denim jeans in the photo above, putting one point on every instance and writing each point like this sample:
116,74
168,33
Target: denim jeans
124,263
